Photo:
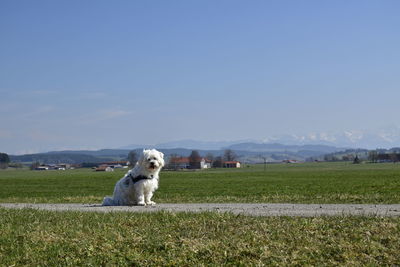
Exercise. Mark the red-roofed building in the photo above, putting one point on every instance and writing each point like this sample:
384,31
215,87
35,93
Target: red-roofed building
104,168
179,163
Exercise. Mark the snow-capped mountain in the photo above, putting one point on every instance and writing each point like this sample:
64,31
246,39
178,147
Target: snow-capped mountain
387,138
192,144
383,138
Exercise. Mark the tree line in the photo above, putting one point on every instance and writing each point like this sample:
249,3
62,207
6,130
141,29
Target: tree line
373,156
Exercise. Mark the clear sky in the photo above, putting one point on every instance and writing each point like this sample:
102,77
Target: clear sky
100,74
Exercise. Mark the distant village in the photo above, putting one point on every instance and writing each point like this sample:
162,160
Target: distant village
180,163
195,161
174,163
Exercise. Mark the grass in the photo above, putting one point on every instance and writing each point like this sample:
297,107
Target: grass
292,183
44,238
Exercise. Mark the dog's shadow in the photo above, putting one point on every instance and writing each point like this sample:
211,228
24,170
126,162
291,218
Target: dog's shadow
94,205
100,205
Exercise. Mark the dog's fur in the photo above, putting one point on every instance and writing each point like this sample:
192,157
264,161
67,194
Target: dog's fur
128,191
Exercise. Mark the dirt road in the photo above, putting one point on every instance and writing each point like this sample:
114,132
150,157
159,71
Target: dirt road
304,210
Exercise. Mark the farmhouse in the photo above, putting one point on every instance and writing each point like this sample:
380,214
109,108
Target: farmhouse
184,163
231,164
46,167
205,163
290,161
111,165
42,168
116,164
201,163
104,168
179,163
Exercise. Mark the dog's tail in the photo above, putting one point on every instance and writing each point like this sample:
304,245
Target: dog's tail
108,201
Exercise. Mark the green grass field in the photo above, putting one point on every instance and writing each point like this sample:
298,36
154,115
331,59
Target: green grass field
44,238
290,183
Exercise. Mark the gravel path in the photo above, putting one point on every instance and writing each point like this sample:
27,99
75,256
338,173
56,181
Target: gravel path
304,210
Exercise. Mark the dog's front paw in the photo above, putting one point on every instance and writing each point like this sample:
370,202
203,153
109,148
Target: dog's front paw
141,204
151,203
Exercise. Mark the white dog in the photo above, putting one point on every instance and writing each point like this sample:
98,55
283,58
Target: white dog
138,185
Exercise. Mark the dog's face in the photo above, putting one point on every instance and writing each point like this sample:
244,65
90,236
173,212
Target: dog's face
152,160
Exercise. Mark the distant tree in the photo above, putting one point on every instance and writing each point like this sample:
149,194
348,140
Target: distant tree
194,160
356,160
393,157
331,157
218,162
264,159
349,157
34,165
132,158
210,157
89,164
229,155
16,165
4,160
373,156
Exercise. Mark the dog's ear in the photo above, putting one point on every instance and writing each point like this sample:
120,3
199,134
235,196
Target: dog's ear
161,158
162,162
146,153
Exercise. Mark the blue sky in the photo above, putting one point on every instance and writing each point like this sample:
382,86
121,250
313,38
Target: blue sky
101,74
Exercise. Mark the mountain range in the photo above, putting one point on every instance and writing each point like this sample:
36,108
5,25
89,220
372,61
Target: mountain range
384,138
371,139
273,148
246,152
